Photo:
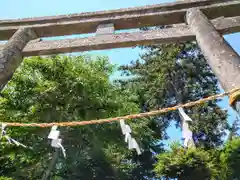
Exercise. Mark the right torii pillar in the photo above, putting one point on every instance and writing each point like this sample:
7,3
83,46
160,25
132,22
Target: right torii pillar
221,57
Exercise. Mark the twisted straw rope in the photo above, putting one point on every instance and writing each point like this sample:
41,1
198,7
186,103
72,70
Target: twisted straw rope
131,116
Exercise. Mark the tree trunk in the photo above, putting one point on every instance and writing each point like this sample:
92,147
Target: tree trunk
11,54
51,165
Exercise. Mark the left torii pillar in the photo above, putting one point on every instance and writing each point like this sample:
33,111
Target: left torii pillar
11,54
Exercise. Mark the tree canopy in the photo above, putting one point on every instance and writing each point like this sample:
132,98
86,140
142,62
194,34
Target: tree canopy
167,75
178,73
78,88
62,88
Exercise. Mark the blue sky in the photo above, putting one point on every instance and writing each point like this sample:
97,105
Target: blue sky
31,8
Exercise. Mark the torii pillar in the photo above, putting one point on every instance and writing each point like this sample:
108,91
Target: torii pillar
221,57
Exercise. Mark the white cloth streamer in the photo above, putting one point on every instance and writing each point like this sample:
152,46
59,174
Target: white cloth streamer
9,139
132,143
186,132
56,141
184,116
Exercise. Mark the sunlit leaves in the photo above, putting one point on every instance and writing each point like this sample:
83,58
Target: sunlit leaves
62,88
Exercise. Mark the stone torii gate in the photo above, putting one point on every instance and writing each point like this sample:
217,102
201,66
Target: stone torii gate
202,20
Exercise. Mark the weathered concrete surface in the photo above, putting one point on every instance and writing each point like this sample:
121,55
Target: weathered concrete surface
178,33
130,18
11,54
223,60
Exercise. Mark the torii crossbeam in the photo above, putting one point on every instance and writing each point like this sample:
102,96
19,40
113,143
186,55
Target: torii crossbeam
202,20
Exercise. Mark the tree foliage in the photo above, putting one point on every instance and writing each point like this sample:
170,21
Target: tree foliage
62,88
167,75
230,160
187,164
219,163
172,74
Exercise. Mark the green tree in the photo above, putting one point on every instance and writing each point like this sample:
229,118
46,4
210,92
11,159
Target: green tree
187,164
218,163
230,160
62,88
172,74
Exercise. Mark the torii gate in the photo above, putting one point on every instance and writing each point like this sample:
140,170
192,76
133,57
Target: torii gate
203,20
